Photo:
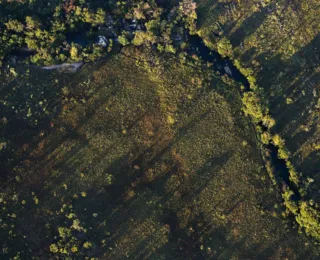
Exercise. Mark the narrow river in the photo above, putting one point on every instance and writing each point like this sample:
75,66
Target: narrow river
225,66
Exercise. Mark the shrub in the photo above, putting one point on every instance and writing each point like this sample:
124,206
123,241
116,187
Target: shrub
123,40
289,203
265,137
268,121
283,153
87,244
309,219
252,106
74,249
54,248
170,48
277,140
15,25
225,47
139,38
74,52
64,233
294,176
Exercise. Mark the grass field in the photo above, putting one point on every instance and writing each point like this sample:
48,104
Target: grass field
139,156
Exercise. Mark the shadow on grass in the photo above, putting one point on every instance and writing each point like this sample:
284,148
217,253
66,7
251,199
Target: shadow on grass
249,26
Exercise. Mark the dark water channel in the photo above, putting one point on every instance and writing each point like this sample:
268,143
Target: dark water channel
222,65
282,171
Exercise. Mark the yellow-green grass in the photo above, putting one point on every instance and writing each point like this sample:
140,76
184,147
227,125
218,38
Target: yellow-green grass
147,158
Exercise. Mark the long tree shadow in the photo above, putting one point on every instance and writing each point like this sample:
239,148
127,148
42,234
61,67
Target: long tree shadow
297,80
249,26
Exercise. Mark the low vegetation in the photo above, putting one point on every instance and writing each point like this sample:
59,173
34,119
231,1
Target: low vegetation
150,153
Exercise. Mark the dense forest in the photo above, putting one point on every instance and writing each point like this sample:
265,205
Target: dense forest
159,129
85,30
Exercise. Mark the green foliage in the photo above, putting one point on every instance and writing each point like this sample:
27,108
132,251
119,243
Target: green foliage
54,248
271,171
64,232
45,32
248,73
278,141
49,36
67,244
87,244
110,46
187,9
100,17
123,40
31,23
265,137
294,175
170,48
309,219
15,25
291,205
160,48
252,106
139,38
74,55
283,153
268,121
225,47
153,25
